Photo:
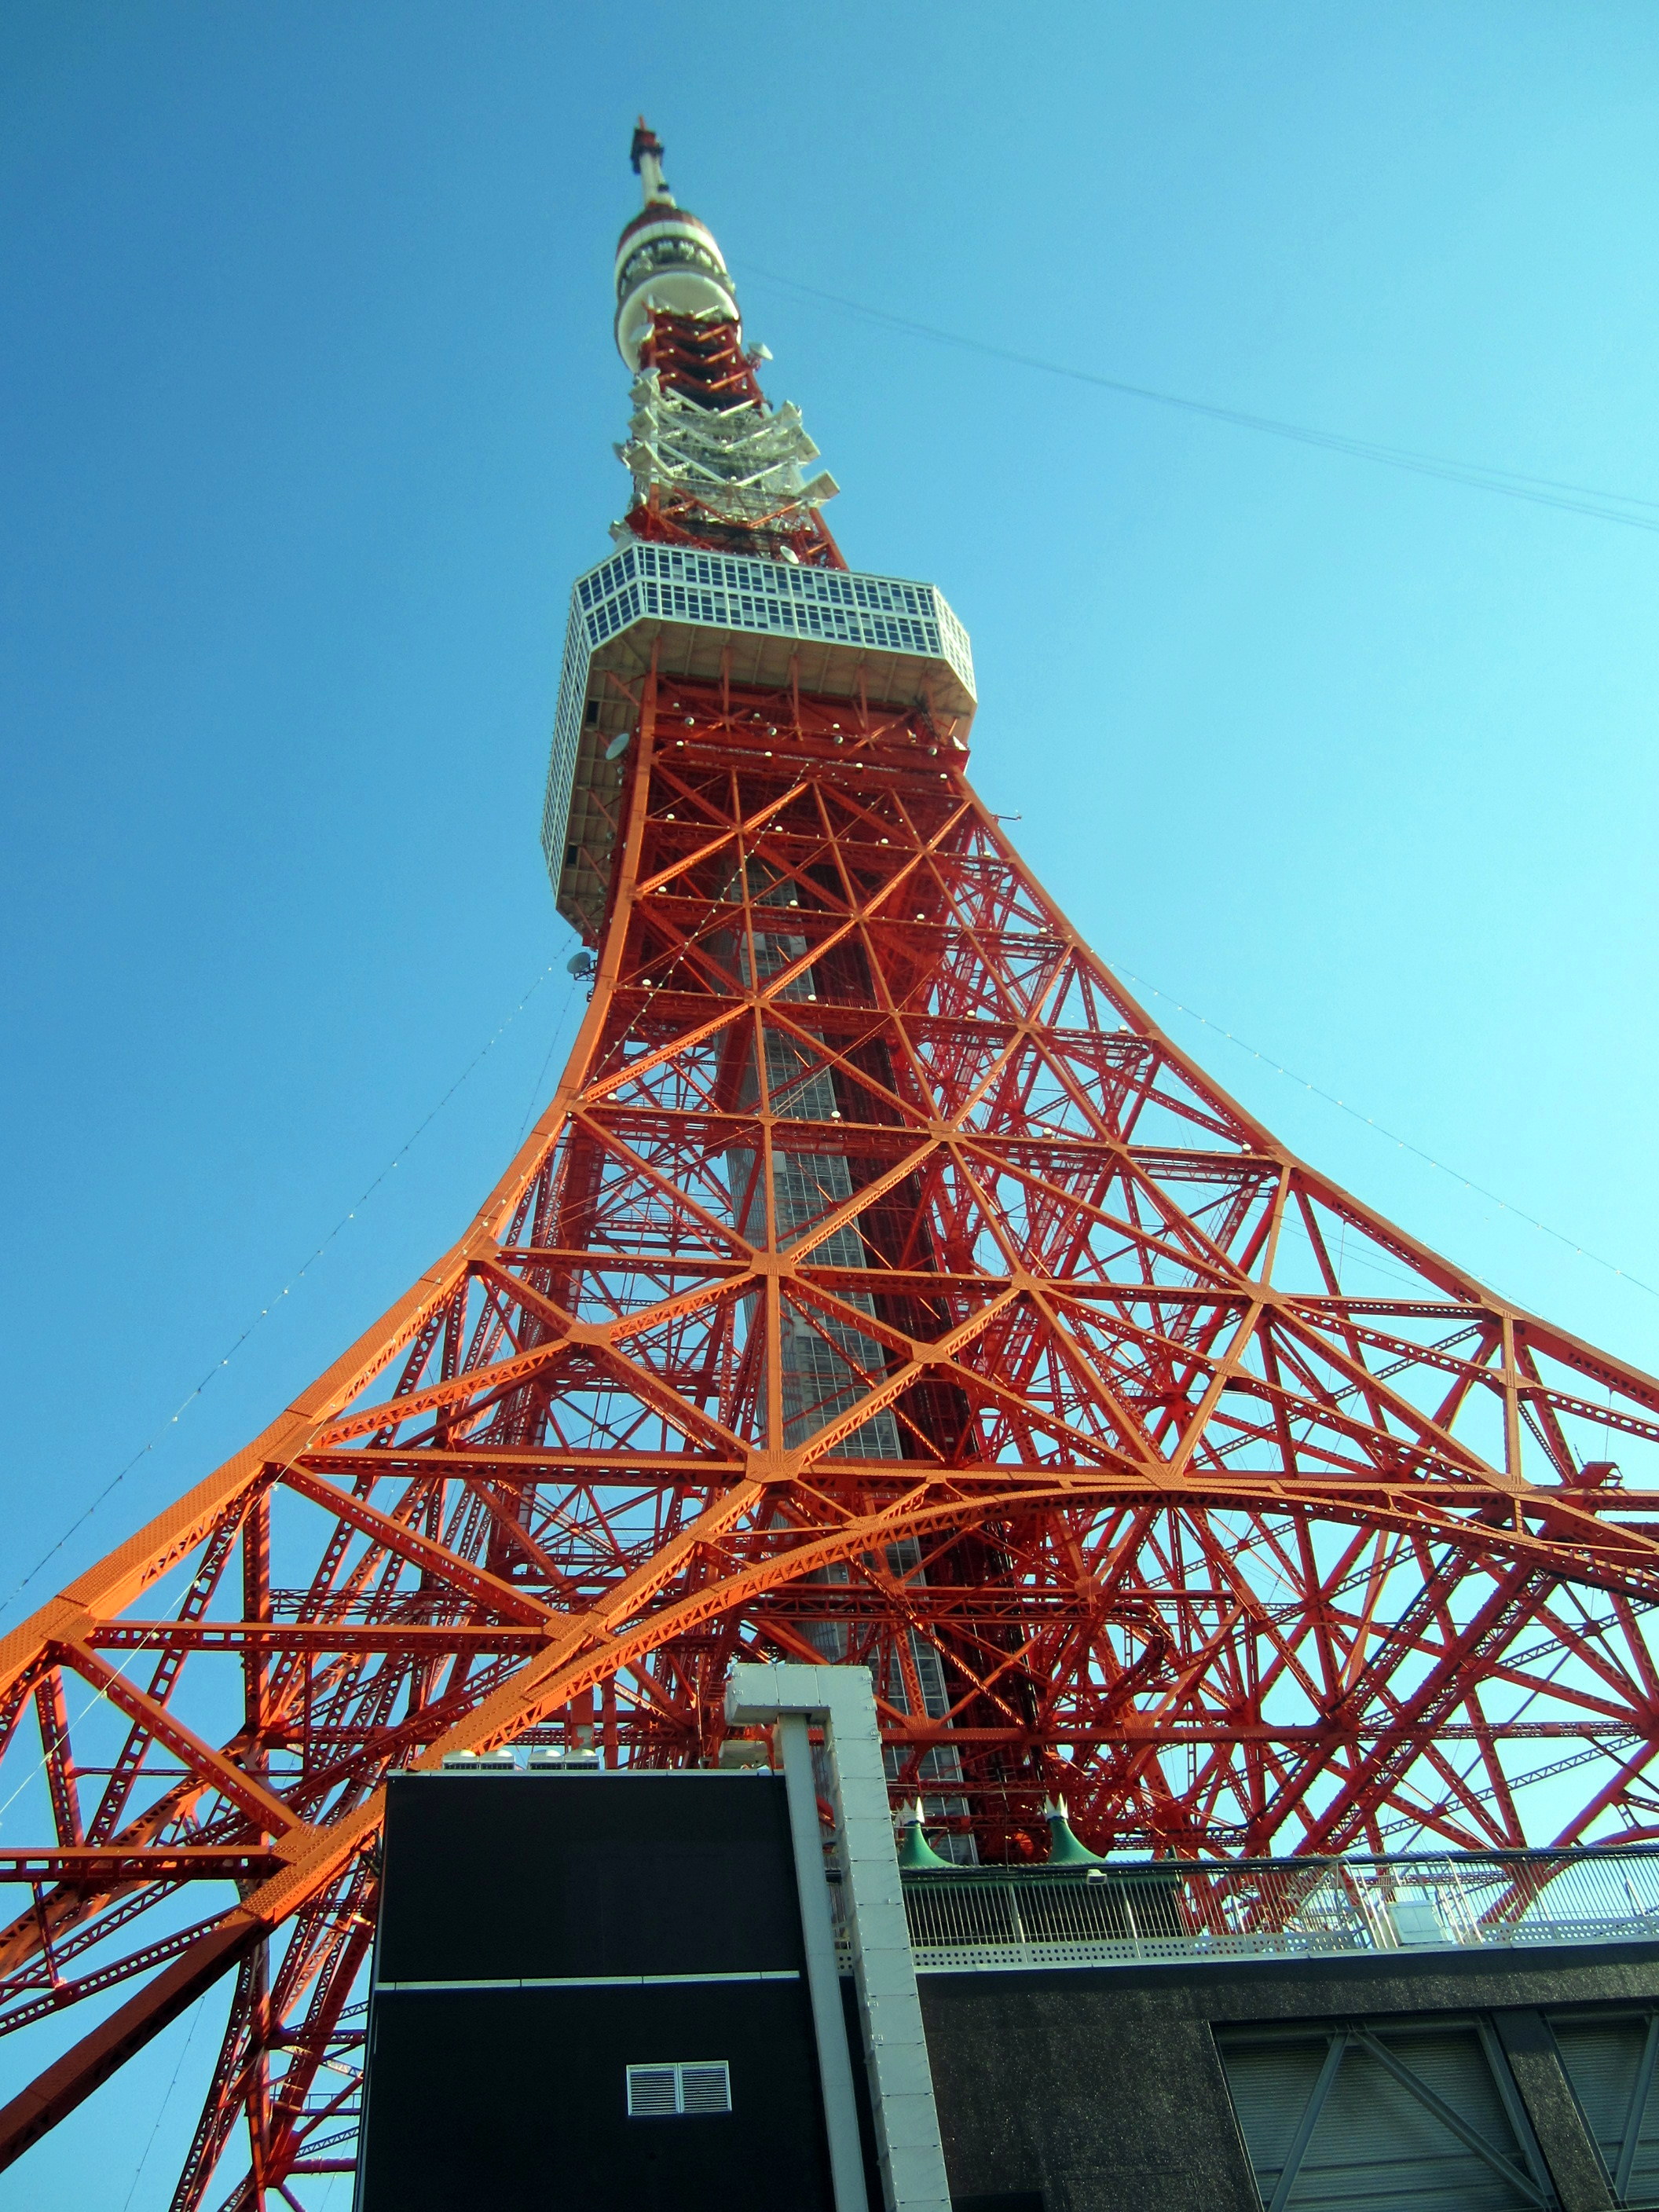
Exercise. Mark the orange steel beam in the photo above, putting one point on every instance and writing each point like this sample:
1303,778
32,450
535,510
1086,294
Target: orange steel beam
882,1284
107,1863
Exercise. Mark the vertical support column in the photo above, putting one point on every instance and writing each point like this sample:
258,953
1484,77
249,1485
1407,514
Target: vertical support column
255,1606
1558,2125
841,2111
907,2146
257,2106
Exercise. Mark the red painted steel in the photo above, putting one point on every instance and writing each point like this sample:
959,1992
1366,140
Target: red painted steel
880,1285
705,362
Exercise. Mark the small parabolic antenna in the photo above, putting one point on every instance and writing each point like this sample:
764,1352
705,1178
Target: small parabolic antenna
618,744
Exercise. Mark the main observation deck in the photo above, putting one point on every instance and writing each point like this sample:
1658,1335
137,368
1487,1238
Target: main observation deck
834,633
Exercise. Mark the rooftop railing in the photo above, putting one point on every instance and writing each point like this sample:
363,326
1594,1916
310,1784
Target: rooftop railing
1178,1910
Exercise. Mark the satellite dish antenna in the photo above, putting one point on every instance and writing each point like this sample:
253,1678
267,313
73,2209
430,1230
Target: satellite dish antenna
618,744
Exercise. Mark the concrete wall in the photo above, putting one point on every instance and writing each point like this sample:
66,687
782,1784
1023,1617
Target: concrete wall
1102,2089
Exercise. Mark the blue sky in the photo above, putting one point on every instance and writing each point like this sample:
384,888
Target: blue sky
308,403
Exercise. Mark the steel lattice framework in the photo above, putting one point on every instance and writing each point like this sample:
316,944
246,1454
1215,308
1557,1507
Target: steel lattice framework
881,1284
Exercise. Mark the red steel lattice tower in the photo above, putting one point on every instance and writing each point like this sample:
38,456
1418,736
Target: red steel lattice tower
881,1284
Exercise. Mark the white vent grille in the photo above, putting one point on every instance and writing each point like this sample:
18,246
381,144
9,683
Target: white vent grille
706,2088
681,2091
653,2092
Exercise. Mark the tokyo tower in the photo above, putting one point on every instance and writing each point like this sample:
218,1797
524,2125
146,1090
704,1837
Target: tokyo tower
881,1285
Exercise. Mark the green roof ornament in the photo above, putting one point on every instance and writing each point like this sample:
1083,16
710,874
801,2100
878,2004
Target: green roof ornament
915,1849
1064,1848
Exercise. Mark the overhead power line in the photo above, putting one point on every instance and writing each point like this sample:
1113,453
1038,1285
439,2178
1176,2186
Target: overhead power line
11,1596
1625,507
1401,1143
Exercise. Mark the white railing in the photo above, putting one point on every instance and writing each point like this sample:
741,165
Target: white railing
1175,1910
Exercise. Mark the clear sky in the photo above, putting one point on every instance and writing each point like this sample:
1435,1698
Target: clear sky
308,403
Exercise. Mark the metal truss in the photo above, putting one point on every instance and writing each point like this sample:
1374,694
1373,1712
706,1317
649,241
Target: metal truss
880,1285
1516,2165
713,464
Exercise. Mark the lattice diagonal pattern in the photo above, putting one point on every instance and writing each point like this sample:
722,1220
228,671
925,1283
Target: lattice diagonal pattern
881,1284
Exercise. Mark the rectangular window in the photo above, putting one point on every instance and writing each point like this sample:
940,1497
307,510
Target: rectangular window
680,2091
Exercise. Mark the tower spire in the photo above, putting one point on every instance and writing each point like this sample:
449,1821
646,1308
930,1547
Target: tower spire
645,154
713,464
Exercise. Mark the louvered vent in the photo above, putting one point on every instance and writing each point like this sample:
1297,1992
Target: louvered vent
706,2088
684,2090
652,2093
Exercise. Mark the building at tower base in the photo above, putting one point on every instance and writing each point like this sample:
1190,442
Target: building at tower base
595,1988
